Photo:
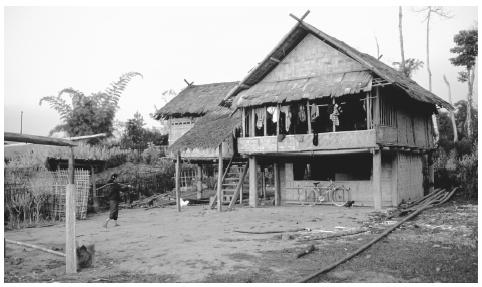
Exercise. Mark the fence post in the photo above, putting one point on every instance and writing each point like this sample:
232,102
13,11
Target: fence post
70,256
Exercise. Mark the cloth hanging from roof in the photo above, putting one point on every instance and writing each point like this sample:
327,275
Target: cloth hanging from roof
315,139
286,111
302,113
334,115
261,113
315,112
273,111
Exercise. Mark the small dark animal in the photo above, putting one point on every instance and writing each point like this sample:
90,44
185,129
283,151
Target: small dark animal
85,256
349,203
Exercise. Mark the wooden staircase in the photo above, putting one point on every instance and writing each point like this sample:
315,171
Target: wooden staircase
233,180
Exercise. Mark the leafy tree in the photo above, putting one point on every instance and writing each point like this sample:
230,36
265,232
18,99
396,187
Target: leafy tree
92,114
138,137
409,67
461,120
467,50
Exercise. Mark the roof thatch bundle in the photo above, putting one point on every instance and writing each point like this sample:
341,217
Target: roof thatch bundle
195,100
209,131
329,85
372,65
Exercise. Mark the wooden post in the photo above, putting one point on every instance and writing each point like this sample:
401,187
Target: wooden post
95,198
308,118
220,177
252,124
70,194
277,190
243,121
376,179
376,108
277,123
178,181
334,126
431,173
199,183
369,110
265,121
263,183
253,182
395,179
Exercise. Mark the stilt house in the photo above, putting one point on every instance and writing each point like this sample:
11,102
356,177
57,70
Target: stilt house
316,110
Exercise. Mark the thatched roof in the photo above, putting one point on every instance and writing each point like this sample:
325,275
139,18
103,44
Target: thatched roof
329,85
195,100
209,131
372,65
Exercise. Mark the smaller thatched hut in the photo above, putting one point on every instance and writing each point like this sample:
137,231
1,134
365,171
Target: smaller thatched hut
182,112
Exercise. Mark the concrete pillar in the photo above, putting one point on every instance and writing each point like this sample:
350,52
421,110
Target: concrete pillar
253,182
376,179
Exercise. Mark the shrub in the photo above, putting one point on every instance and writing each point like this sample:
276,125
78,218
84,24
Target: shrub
467,174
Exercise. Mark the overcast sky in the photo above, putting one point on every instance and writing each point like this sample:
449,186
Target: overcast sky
48,49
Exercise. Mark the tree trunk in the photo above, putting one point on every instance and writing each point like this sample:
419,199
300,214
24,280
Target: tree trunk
402,64
434,117
470,81
452,115
428,50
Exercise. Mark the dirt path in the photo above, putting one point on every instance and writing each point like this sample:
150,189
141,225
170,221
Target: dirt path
199,245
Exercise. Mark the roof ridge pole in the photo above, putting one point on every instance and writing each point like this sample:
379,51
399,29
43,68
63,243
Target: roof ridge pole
302,17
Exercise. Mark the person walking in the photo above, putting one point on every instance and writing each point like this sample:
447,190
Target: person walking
114,198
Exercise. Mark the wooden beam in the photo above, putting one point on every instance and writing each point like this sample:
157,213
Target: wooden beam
244,86
243,121
265,121
15,137
252,124
199,183
394,182
95,198
35,247
431,173
70,196
376,180
302,17
334,126
220,177
178,181
308,116
277,188
277,123
102,135
274,59
253,182
376,108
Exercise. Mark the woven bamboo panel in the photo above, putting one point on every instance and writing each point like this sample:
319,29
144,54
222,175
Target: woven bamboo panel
82,180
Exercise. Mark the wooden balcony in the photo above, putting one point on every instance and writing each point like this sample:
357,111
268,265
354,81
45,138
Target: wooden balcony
341,141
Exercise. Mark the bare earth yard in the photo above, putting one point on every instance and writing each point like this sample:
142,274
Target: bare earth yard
199,245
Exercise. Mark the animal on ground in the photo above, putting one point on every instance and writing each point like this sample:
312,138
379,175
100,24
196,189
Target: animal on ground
85,256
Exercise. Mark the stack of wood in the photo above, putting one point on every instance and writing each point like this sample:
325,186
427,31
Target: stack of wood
164,199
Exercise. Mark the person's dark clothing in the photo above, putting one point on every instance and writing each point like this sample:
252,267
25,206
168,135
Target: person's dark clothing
114,193
114,198
113,209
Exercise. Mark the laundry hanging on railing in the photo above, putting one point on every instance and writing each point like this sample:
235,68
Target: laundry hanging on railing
273,111
302,113
261,113
286,111
334,115
314,112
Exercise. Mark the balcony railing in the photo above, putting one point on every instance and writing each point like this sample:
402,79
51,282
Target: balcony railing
363,139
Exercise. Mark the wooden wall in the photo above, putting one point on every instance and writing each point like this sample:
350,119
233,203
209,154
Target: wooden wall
413,124
409,177
360,190
179,126
312,57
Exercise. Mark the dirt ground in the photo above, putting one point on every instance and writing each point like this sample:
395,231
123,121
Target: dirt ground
200,245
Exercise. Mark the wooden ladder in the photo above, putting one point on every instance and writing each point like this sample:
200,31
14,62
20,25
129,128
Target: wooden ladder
233,179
